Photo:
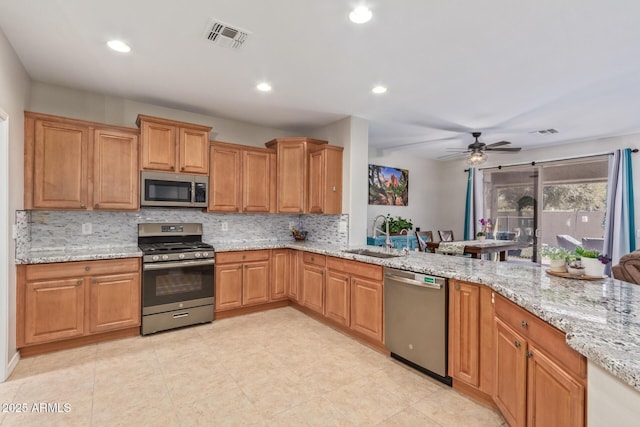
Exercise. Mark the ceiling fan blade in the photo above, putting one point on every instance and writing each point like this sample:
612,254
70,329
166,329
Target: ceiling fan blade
414,144
505,149
498,144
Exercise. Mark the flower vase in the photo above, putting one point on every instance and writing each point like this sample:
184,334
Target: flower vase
592,267
558,266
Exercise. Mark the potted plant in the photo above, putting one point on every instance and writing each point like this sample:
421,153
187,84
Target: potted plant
558,257
397,224
592,261
486,226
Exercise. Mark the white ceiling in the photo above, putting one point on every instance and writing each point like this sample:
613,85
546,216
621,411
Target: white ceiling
502,67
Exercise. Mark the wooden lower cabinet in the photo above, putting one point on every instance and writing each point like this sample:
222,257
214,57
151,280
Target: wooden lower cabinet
242,279
366,307
54,310
338,297
114,302
295,261
313,287
510,392
280,274
60,301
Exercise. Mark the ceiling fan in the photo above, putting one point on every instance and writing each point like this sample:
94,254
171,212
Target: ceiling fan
477,149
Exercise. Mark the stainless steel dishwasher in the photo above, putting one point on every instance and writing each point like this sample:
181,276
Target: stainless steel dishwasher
415,321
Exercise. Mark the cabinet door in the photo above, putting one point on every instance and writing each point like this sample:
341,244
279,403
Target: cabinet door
158,146
337,297
554,397
116,179
313,288
114,302
54,309
464,321
225,179
294,278
510,386
228,286
366,307
317,178
256,181
193,151
60,172
291,180
255,285
280,274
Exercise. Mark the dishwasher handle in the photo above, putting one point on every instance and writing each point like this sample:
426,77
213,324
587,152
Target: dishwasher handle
412,282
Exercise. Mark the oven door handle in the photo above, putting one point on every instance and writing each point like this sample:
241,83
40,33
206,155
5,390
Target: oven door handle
177,264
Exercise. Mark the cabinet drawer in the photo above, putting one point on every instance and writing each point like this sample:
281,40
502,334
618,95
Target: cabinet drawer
314,259
355,268
241,256
543,334
81,268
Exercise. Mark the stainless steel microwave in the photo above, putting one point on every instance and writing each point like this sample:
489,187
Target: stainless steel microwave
173,190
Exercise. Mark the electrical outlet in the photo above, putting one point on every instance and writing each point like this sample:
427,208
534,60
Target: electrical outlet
342,227
87,228
14,232
225,226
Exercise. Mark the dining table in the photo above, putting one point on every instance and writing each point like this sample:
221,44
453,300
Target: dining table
476,248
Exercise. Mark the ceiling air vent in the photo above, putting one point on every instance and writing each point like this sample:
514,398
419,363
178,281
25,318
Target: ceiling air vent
226,35
545,131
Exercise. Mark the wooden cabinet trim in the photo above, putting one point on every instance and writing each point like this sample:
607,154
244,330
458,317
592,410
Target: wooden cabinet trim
61,270
142,117
314,259
242,256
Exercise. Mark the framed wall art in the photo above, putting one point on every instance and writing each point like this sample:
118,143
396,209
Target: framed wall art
388,186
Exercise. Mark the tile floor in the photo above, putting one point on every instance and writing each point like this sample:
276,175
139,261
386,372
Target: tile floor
274,368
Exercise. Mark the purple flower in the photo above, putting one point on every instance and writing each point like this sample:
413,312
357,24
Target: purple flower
484,222
604,259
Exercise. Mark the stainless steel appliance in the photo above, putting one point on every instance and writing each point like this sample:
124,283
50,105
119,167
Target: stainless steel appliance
173,189
177,276
415,321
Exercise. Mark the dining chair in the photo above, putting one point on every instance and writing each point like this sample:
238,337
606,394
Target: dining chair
628,269
424,237
446,235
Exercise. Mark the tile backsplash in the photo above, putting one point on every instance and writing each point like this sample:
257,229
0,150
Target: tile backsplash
50,230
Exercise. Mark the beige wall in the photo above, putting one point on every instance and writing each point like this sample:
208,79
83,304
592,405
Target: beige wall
453,180
14,94
80,104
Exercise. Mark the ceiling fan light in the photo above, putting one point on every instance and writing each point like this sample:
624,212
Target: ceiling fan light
476,158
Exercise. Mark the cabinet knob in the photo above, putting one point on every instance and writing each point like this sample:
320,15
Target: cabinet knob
529,354
346,279
244,257
517,344
239,267
97,205
312,258
182,168
456,287
79,282
94,281
524,324
87,268
172,168
82,205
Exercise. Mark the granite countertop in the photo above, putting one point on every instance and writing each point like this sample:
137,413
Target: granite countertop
600,317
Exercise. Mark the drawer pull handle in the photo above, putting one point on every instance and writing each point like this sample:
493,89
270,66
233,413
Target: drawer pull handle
517,344
457,287
87,268
529,354
524,324
244,257
177,316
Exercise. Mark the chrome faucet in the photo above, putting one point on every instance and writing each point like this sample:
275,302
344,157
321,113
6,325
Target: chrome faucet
387,241
405,250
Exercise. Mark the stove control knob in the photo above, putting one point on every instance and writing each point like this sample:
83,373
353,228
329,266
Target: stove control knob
205,254
181,256
155,258
198,255
165,257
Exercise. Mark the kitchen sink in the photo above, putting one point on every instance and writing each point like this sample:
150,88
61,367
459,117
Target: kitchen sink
374,254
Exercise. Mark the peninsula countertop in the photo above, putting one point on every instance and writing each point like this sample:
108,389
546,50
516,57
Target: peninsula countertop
600,318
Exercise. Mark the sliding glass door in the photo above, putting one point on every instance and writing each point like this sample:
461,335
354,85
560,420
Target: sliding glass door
511,200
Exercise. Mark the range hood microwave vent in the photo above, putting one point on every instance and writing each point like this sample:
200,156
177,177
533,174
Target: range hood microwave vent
225,35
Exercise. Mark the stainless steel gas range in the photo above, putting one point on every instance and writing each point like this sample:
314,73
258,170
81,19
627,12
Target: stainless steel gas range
177,276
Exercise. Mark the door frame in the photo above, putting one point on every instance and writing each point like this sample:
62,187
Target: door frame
5,225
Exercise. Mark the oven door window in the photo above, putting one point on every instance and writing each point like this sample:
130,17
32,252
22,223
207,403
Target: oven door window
176,284
167,191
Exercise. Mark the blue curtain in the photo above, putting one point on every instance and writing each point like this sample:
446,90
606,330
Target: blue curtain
474,206
619,227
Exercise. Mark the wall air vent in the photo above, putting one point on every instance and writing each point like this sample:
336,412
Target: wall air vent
226,35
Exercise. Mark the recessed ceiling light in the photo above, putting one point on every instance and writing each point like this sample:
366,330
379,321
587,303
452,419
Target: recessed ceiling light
264,87
119,46
360,15
379,89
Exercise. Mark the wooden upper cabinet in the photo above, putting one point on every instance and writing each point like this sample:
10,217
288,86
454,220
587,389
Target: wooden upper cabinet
58,157
116,182
325,180
75,164
172,146
242,178
293,172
